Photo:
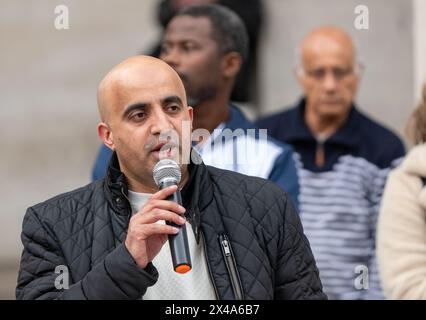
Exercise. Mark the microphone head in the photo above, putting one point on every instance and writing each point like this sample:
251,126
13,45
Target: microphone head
166,170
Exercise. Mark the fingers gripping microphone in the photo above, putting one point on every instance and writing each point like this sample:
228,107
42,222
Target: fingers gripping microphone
167,173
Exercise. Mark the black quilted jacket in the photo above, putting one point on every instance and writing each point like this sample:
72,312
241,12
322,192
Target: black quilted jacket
84,230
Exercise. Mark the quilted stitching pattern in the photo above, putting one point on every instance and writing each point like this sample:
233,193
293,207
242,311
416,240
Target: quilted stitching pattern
81,231
253,217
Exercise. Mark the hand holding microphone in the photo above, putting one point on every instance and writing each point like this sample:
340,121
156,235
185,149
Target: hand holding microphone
146,237
167,173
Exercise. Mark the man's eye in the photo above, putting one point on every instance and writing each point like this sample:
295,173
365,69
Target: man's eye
188,47
173,108
341,73
317,73
138,116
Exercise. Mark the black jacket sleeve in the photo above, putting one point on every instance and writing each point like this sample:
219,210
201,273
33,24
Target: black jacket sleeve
297,276
116,277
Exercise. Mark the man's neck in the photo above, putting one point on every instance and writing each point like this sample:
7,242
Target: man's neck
210,114
323,126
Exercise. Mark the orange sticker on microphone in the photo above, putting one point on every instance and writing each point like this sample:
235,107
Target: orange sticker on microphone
184,268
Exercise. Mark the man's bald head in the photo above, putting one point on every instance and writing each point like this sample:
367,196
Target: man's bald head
327,39
145,116
134,71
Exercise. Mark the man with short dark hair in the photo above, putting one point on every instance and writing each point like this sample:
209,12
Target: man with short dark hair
251,13
207,45
244,236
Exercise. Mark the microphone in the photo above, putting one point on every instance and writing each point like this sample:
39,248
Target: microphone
167,173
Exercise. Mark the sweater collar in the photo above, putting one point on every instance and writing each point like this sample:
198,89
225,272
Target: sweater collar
298,130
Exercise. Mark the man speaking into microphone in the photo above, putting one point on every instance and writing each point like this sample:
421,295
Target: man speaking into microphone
243,238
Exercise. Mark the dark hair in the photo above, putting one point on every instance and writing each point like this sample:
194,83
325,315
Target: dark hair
229,30
416,127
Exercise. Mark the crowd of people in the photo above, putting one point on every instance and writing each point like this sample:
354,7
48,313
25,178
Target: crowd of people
294,213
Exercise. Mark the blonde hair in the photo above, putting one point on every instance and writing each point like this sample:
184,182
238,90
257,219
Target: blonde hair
416,127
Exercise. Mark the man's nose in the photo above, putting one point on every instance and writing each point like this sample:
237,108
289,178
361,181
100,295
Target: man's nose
329,82
160,122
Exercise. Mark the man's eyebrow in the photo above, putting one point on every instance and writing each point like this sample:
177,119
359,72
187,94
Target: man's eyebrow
137,106
142,106
173,99
179,41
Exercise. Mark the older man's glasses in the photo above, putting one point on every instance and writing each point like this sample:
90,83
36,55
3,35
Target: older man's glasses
337,73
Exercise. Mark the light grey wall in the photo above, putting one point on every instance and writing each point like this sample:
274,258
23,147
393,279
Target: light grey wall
48,113
386,49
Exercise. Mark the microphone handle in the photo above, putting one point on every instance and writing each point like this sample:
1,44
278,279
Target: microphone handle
179,242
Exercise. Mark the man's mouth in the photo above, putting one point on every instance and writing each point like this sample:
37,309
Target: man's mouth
332,102
163,150
158,147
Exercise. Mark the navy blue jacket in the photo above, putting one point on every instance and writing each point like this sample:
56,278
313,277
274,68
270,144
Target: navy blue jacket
359,137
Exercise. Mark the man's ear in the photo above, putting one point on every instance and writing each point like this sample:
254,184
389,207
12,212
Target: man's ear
299,73
191,115
105,134
359,72
231,64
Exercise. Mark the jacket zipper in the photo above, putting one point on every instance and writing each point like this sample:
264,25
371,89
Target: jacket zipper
208,265
231,266
130,206
122,192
